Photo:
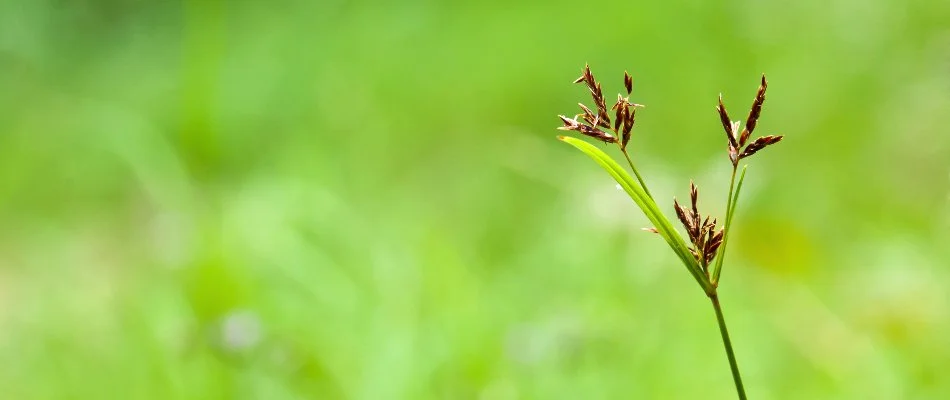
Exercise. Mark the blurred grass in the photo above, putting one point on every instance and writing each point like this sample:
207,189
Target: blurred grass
365,200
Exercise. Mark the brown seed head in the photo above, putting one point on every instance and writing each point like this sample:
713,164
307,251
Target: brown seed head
627,82
754,113
588,115
619,109
701,230
620,101
598,95
598,134
694,199
693,195
569,124
586,77
726,123
618,118
760,144
628,121
744,136
573,125
685,219
712,245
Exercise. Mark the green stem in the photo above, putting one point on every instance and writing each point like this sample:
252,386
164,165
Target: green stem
728,344
635,172
714,279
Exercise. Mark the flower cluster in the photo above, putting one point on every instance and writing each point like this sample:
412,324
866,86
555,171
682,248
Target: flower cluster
737,140
706,239
624,113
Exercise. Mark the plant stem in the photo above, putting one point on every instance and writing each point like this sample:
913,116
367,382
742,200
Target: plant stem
714,279
635,172
728,344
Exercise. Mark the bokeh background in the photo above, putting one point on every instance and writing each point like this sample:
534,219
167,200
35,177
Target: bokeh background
350,200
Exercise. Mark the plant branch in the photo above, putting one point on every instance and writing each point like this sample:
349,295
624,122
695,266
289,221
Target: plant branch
635,172
730,210
728,345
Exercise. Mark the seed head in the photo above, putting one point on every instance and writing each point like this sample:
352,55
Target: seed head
586,76
629,119
573,125
588,115
620,108
760,144
694,199
754,113
712,244
598,95
685,219
701,231
726,123
737,145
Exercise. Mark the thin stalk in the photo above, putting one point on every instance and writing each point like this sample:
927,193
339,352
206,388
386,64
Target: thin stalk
635,172
714,279
728,344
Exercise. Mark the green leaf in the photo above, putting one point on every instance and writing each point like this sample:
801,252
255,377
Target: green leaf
730,212
647,205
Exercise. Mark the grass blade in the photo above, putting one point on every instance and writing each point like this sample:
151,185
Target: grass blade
647,205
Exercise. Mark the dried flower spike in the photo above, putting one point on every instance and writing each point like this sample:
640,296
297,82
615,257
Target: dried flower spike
754,113
701,231
588,115
736,145
598,95
623,112
684,218
727,123
694,199
620,108
760,144
586,76
573,125
629,119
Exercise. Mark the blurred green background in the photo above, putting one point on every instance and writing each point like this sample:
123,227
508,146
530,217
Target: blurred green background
351,200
